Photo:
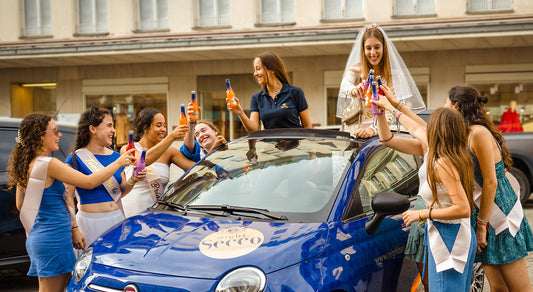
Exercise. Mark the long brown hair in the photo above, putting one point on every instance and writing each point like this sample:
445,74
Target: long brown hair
29,143
273,62
143,122
383,67
94,117
447,139
470,105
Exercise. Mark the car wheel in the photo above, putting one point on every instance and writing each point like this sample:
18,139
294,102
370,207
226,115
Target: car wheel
478,278
524,184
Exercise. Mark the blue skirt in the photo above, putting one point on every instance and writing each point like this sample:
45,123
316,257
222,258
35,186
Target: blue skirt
451,280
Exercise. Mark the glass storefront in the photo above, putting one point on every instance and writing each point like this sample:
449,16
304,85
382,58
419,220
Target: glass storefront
510,105
212,99
27,98
125,108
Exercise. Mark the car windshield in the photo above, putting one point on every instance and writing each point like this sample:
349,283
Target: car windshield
292,178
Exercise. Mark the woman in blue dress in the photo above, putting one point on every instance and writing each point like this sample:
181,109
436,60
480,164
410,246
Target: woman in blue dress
503,234
44,210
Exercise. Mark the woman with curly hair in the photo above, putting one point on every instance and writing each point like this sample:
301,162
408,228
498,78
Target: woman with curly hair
43,204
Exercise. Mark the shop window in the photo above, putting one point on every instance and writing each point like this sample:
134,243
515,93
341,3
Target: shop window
414,7
37,17
213,13
92,16
277,11
125,108
212,99
153,15
343,9
27,98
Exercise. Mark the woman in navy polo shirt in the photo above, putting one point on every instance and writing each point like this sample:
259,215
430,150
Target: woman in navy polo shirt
279,104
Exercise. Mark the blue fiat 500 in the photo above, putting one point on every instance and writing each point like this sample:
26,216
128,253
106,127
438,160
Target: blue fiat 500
279,210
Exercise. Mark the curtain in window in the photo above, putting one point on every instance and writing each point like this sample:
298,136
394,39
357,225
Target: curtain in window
153,14
277,11
37,17
92,16
213,12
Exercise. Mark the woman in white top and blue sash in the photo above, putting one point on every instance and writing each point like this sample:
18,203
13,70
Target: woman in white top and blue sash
46,211
447,192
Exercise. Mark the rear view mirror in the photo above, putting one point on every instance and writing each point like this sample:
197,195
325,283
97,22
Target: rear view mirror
385,204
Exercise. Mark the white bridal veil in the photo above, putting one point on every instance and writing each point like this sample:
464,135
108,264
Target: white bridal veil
402,82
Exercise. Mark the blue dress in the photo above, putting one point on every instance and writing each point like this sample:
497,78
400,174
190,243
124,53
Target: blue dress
502,248
49,243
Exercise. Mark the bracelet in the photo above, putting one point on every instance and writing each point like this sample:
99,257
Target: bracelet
420,215
74,227
429,216
131,184
394,111
387,140
397,104
398,114
483,220
482,223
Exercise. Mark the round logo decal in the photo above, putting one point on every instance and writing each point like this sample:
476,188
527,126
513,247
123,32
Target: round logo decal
231,242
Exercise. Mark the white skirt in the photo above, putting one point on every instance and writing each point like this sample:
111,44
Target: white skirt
92,225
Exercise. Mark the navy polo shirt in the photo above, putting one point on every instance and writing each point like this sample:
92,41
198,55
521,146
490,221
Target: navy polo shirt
282,111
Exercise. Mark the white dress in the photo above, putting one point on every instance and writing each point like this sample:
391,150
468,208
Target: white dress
140,198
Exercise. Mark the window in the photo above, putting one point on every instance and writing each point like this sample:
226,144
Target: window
343,9
488,5
37,17
277,11
92,16
213,12
388,170
153,15
27,98
414,7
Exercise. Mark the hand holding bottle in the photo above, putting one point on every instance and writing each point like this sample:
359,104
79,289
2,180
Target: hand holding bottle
127,158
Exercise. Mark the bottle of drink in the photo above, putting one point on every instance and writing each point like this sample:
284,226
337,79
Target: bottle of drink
195,115
130,143
230,95
369,79
368,93
380,91
141,164
183,117
375,96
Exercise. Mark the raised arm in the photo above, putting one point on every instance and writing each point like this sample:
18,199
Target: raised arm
155,152
68,175
250,124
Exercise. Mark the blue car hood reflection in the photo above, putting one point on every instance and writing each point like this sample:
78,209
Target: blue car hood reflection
168,244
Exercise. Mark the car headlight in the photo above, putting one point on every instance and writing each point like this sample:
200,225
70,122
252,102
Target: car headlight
82,265
246,279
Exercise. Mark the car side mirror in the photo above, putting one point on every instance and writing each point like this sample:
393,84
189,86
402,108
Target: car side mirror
385,204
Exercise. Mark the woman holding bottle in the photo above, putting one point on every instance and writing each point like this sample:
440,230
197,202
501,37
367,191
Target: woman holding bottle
374,51
150,130
446,186
279,104
503,234
44,206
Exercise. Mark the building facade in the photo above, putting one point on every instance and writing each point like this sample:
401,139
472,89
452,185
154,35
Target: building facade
66,55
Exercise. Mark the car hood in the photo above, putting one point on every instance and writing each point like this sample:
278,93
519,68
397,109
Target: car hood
190,246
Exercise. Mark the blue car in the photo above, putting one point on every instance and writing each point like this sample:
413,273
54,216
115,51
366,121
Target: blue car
279,210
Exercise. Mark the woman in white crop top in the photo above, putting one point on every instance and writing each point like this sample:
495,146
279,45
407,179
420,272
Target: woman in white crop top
447,191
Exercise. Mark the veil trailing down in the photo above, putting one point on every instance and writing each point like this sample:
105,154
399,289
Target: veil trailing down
403,84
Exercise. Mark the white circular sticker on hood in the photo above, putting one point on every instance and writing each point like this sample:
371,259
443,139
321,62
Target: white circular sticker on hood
231,242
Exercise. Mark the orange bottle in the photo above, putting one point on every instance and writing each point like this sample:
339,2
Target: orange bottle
195,115
183,117
368,95
230,96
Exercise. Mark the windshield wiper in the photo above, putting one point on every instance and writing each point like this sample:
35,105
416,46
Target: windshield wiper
185,209
237,209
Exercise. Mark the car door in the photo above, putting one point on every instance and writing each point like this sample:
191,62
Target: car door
373,262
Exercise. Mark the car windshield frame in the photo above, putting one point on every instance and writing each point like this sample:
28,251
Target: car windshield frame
294,178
